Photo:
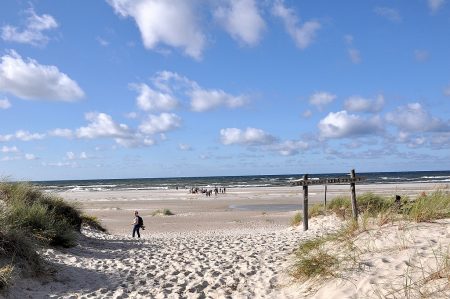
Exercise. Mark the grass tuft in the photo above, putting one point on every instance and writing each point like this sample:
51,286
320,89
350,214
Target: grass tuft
428,207
93,222
297,219
163,212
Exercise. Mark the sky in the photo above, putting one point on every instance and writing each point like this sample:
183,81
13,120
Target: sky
176,88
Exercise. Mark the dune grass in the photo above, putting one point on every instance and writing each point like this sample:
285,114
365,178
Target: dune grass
163,212
296,219
428,207
30,219
93,222
313,260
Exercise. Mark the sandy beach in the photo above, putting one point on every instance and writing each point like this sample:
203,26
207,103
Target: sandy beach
235,245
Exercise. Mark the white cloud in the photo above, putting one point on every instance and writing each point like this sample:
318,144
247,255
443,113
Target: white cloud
184,147
169,22
414,118
83,156
435,5
291,147
27,136
135,141
102,125
5,104
30,157
70,156
249,136
11,149
242,20
103,42
33,31
421,55
303,35
389,13
321,99
152,100
31,80
342,125
65,133
5,138
360,104
160,123
207,99
201,99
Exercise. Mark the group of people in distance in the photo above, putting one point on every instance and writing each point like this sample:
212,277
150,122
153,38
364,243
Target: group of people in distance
207,192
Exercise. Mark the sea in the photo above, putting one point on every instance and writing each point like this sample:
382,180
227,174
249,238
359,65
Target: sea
438,177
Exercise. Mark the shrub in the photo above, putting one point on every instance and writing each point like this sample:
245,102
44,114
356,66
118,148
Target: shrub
296,219
6,273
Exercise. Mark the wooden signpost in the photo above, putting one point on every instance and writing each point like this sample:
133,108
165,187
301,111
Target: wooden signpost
305,182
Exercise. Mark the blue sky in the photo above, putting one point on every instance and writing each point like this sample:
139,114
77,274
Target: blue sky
165,88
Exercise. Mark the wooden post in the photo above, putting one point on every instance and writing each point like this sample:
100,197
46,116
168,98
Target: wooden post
305,203
353,190
325,196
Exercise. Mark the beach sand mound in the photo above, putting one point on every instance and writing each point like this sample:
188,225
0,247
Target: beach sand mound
245,263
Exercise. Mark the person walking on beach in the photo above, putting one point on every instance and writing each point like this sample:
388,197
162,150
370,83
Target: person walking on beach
137,224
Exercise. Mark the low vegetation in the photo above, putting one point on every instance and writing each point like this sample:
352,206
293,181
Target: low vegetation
297,219
163,212
30,219
313,260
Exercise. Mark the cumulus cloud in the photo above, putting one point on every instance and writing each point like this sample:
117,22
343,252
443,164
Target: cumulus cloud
184,147
291,147
303,35
65,133
11,149
33,33
201,99
27,136
321,99
30,157
204,99
360,104
242,20
5,138
5,104
414,118
169,22
160,123
135,141
28,79
435,5
389,13
342,125
102,125
152,100
249,136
